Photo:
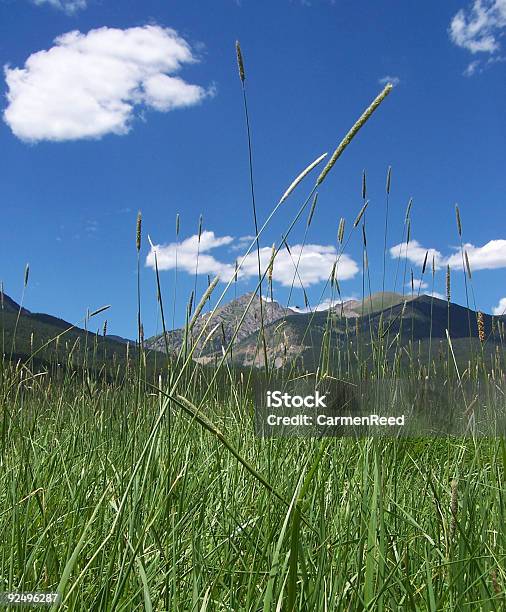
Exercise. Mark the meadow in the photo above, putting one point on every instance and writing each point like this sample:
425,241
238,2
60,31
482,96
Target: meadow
131,487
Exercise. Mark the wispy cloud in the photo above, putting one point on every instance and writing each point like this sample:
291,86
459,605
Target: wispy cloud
242,243
68,6
479,29
88,85
310,3
394,80
490,256
91,226
315,261
472,68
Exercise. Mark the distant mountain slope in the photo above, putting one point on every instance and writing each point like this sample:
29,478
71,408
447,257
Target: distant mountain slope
9,305
372,303
35,333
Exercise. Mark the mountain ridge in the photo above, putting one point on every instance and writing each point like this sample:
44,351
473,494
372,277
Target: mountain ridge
292,335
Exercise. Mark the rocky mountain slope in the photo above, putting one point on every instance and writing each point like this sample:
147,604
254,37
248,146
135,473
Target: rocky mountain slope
225,324
293,335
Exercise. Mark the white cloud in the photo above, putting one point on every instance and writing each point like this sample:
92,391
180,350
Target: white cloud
88,85
184,255
324,305
437,295
500,309
415,253
417,284
479,27
394,80
490,256
68,6
314,265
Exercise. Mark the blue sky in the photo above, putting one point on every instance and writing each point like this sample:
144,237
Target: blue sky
140,107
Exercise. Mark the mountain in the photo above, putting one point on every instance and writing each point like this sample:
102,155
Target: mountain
24,333
224,323
9,305
372,303
348,331
421,321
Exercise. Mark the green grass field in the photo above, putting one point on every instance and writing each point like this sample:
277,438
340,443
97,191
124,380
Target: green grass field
121,503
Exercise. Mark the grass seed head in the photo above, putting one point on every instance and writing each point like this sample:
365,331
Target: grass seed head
468,266
203,300
190,303
340,231
454,505
313,206
361,214
200,227
138,232
270,268
495,584
481,326
408,209
240,61
361,121
459,223
300,177
448,284
389,178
